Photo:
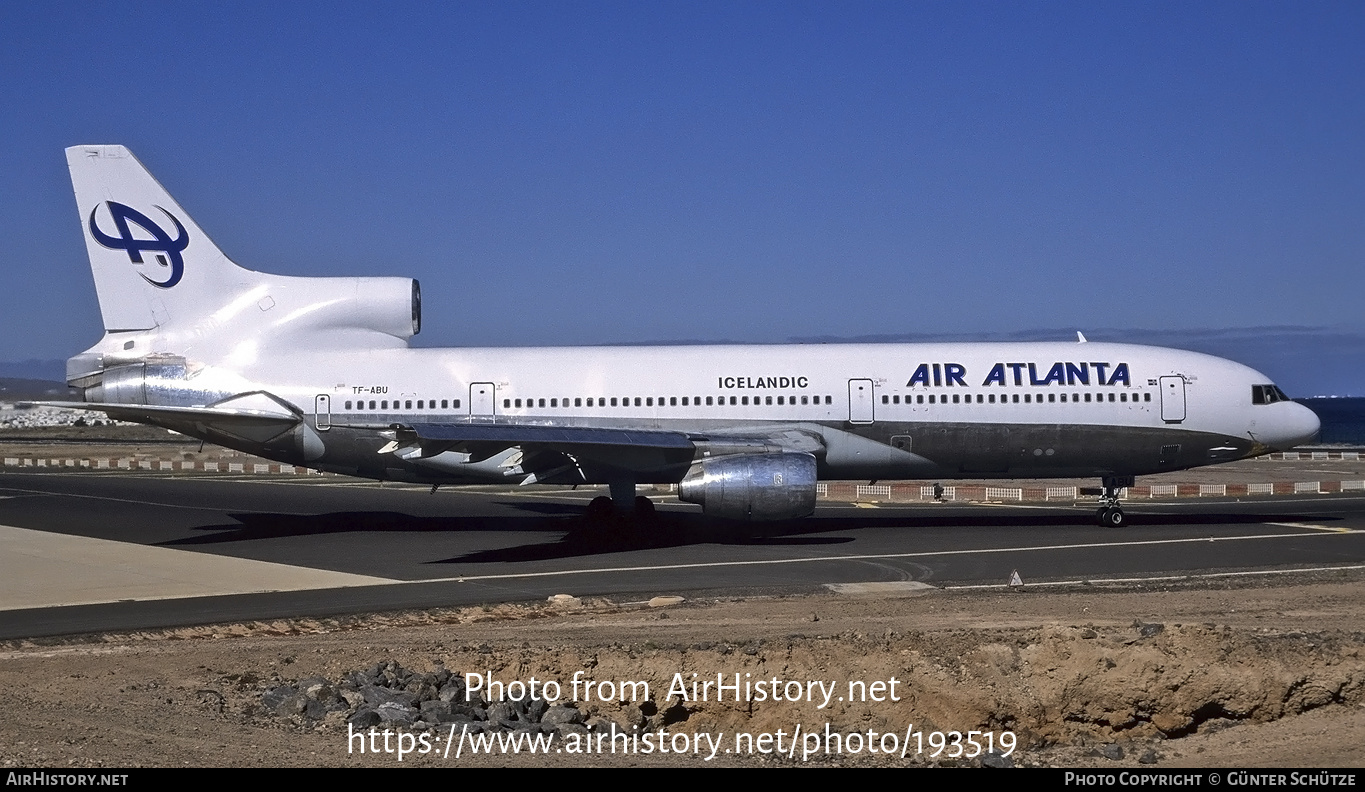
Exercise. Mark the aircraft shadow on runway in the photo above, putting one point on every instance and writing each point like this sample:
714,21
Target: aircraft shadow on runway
251,526
668,528
674,529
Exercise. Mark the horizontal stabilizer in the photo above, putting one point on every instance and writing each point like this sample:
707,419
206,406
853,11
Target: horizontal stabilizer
253,425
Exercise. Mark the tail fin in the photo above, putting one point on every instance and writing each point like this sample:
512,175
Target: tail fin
152,263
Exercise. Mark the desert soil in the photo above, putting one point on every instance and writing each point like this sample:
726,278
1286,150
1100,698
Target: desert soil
1264,672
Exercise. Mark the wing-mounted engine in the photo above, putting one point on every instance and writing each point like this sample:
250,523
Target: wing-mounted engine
753,486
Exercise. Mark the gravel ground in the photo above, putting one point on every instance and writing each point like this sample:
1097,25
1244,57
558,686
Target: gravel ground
1266,673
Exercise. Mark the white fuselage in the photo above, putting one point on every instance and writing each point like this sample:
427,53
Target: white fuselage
1055,408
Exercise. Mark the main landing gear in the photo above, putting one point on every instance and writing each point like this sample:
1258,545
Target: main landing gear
623,504
604,508
1110,514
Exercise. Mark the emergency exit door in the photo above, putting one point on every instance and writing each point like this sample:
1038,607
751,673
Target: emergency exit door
1173,399
322,412
860,407
482,396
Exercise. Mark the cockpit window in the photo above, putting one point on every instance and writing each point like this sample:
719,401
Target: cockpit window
1267,394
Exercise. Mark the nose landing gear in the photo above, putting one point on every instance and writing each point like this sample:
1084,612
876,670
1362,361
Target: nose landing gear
1110,514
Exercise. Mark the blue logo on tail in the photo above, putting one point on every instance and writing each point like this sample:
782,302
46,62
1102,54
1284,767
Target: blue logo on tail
162,242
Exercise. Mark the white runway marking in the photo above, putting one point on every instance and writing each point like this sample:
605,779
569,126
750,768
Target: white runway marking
877,556
33,493
1093,581
1311,526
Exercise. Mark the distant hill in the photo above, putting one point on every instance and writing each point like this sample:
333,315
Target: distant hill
39,380
21,389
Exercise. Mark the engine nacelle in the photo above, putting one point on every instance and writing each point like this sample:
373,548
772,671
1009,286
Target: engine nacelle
752,486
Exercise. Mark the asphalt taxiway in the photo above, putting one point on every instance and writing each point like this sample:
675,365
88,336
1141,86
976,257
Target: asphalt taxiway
96,551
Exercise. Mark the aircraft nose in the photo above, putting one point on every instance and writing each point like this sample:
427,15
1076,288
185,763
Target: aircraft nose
1298,426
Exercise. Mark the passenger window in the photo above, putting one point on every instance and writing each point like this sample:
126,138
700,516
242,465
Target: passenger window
1051,398
673,401
955,398
637,401
1087,397
1016,398
1111,397
407,405
371,404
348,405
384,405
767,400
1146,397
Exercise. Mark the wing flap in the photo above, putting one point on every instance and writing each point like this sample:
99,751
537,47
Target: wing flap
523,434
594,454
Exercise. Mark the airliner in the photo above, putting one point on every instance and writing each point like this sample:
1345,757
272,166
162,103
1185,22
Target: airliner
318,372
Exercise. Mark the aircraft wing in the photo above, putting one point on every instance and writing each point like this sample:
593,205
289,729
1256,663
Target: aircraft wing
561,436
574,454
550,454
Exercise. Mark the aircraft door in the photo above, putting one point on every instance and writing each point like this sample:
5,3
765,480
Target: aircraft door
860,407
1173,399
322,412
482,396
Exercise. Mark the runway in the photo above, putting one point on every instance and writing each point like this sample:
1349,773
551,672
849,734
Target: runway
96,551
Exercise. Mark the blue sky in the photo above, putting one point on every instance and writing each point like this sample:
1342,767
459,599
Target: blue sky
592,173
